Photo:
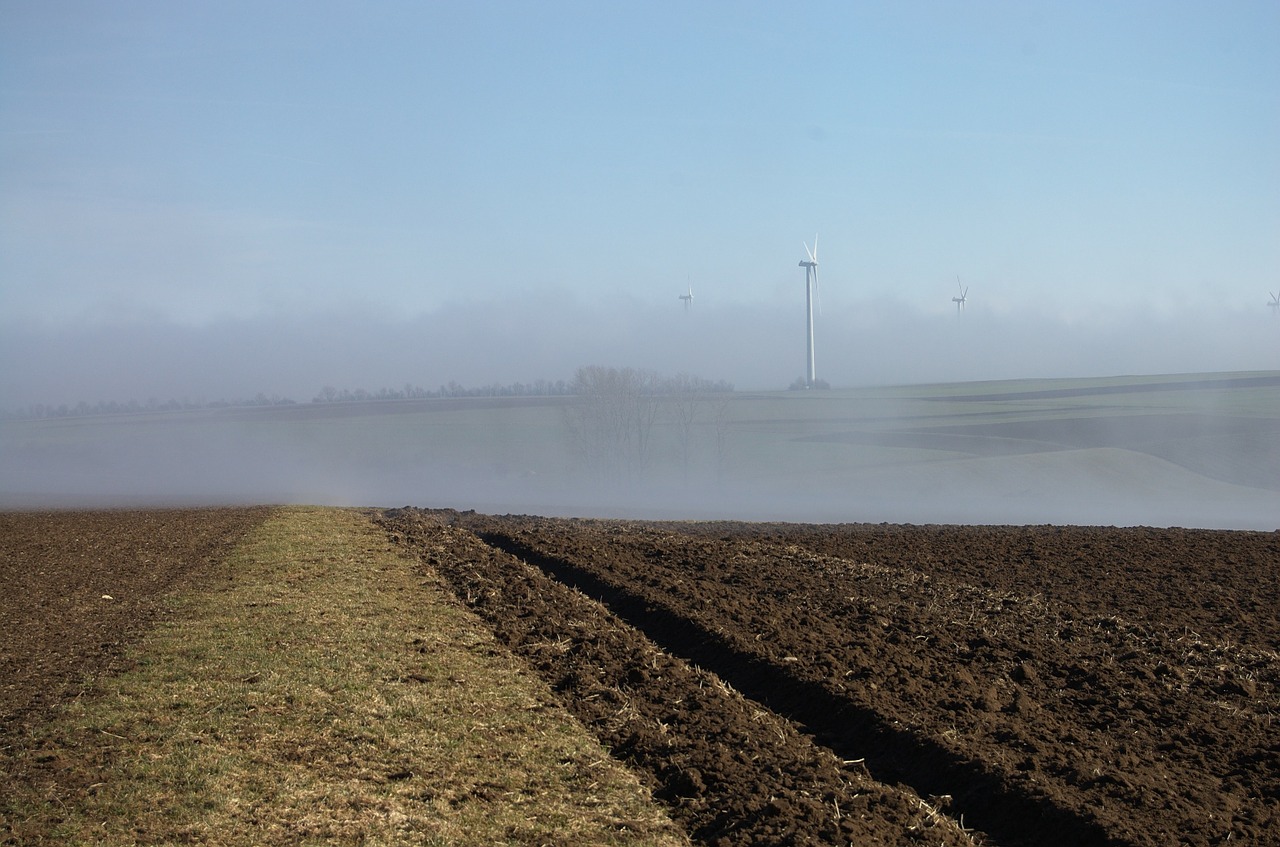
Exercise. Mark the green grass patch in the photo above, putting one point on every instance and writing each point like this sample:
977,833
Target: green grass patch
323,690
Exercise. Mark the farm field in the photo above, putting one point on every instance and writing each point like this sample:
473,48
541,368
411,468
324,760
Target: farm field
1045,685
279,675
289,680
58,569
1200,450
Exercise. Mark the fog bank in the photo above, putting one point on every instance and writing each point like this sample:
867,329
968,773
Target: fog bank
1182,452
755,346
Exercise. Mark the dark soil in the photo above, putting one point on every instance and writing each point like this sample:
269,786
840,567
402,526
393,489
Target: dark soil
1050,686
1042,685
731,770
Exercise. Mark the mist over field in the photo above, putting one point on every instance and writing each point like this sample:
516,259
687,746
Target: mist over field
1177,450
269,201
864,451
547,336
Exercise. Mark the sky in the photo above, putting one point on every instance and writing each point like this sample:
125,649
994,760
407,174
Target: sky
215,200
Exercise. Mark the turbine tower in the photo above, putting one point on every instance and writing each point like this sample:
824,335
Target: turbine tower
810,280
964,293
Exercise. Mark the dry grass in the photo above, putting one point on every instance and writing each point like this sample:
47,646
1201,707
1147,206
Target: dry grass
324,692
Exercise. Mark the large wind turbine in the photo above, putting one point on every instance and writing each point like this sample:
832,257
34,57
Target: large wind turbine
810,280
964,293
687,298
1275,302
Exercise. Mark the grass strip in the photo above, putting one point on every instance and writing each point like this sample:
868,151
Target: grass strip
323,691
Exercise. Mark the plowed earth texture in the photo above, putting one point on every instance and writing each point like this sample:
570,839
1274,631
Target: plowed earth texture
1044,685
1039,685
731,770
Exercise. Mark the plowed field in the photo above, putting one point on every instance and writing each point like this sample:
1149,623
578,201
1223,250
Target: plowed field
797,684
1042,685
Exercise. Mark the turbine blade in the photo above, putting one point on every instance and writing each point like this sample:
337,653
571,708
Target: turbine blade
810,252
815,248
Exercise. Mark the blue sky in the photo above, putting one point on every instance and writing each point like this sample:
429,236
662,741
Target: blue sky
225,165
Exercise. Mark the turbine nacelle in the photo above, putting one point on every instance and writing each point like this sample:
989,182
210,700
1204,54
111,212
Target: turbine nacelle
813,255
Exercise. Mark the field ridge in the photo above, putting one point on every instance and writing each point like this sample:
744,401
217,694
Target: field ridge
319,689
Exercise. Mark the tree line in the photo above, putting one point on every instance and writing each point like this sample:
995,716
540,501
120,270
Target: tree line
329,394
537,388
40,411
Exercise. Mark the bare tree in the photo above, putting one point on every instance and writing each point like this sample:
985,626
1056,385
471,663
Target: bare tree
612,419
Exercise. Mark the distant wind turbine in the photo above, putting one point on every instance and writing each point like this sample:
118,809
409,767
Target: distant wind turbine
1275,302
964,294
810,283
687,298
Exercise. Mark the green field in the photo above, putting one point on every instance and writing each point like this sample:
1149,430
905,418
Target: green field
1200,450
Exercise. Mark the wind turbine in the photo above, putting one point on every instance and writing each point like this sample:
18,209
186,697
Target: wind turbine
810,282
687,298
964,293
1275,302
